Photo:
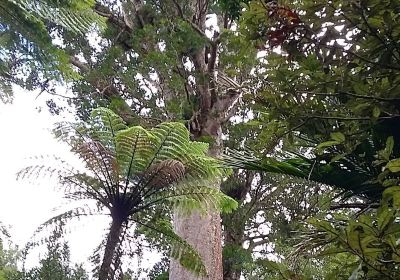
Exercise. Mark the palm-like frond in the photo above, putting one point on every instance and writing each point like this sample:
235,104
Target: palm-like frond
186,199
343,174
27,43
246,160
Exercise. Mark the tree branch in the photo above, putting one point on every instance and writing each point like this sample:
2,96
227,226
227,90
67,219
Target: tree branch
383,99
340,118
111,18
353,205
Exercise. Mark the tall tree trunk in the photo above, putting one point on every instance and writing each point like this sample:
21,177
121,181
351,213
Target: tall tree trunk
111,246
203,232
205,237
200,231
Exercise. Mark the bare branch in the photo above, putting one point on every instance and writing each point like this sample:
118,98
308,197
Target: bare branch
81,65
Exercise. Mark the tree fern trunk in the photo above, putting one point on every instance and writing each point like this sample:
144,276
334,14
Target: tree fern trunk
111,245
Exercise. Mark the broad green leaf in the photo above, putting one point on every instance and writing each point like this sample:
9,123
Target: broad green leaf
327,144
389,145
376,112
384,217
376,22
394,194
387,151
338,136
338,157
394,165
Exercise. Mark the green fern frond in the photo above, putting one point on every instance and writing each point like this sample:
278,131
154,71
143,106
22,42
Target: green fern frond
79,19
187,199
199,148
180,250
173,141
66,216
104,125
137,171
134,148
142,163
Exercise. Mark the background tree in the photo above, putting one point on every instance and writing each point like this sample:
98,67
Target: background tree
56,263
9,256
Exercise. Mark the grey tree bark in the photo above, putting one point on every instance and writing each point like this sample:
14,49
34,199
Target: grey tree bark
204,232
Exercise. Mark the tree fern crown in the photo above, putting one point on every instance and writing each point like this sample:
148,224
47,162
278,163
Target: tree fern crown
135,173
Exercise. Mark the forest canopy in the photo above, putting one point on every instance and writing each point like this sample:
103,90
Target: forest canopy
281,115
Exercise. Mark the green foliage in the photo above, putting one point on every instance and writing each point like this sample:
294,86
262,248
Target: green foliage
371,238
77,16
8,263
328,98
326,93
56,263
29,30
233,9
135,173
236,258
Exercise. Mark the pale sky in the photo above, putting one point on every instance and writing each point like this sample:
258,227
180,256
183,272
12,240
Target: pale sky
26,132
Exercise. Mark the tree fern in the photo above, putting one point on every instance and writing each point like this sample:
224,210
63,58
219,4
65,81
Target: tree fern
134,172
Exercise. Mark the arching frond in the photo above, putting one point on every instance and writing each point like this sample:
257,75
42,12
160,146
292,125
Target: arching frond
343,174
74,214
164,173
180,250
134,148
104,126
186,199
